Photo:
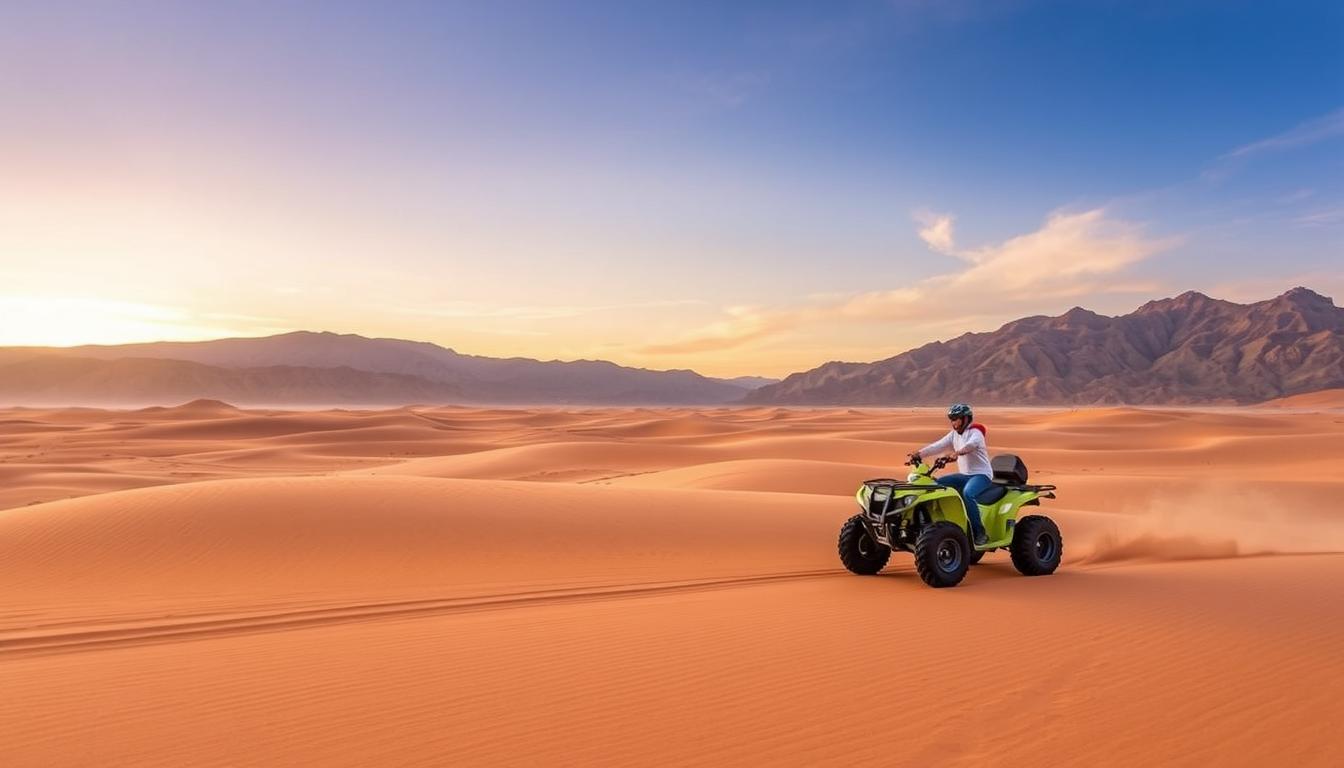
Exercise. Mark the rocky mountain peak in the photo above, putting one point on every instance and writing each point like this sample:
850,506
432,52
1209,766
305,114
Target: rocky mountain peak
1189,348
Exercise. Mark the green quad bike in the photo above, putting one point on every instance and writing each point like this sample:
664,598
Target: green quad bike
929,520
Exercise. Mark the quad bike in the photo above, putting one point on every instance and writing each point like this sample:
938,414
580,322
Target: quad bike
929,520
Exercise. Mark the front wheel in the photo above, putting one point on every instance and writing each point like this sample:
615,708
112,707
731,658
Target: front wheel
858,551
1037,546
942,554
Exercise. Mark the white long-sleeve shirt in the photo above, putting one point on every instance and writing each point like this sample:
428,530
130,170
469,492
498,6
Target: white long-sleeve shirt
974,461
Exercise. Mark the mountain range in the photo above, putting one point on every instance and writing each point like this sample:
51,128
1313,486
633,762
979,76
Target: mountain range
1183,350
306,367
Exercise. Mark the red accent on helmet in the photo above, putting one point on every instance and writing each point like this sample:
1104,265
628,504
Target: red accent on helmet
981,427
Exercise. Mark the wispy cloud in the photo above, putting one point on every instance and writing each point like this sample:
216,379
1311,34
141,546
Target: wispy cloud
936,231
1295,196
1321,216
1072,254
1315,130
1064,257
741,325
720,89
1318,129
481,310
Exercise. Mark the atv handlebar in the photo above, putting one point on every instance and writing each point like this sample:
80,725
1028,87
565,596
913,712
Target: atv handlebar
915,460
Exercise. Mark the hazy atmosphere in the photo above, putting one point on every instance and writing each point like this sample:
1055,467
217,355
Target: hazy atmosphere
743,188
947,383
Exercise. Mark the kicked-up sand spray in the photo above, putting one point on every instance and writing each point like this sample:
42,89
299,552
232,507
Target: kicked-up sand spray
1209,522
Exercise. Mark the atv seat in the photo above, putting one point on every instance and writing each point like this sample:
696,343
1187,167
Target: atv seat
992,494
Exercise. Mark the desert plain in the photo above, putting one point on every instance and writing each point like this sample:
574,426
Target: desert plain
204,585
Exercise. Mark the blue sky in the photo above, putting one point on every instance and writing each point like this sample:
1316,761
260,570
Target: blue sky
734,187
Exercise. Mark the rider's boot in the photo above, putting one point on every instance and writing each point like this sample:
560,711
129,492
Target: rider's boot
981,539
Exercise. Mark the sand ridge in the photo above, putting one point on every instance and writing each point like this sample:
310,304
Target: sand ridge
435,585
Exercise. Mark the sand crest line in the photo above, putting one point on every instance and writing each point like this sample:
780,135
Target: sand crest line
89,639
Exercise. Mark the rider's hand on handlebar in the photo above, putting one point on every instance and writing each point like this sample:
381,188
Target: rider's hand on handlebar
912,460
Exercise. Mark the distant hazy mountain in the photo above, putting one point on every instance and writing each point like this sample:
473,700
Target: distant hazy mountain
1188,349
307,367
66,380
749,382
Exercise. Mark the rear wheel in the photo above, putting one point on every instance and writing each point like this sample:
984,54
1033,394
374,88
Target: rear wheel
858,551
942,554
1037,546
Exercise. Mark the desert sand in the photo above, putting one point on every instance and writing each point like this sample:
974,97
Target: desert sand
202,585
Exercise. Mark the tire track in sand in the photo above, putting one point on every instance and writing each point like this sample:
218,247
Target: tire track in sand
133,633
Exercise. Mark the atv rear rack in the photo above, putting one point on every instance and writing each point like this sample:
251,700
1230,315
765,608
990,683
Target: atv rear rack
1025,487
902,485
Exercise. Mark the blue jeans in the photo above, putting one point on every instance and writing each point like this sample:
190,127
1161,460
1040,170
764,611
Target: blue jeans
969,486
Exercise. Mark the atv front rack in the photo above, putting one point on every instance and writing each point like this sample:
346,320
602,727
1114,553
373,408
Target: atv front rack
880,505
898,486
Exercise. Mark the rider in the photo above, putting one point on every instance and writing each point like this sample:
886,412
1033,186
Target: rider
968,445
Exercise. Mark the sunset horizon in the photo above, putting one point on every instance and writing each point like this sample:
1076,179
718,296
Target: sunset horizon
725,375
746,190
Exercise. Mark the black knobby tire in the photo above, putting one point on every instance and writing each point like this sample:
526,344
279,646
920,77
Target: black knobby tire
1037,546
858,551
942,554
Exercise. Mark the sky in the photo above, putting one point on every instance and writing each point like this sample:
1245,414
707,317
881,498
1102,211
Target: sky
738,188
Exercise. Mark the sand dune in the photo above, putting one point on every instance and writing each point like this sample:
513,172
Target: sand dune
1329,398
430,586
